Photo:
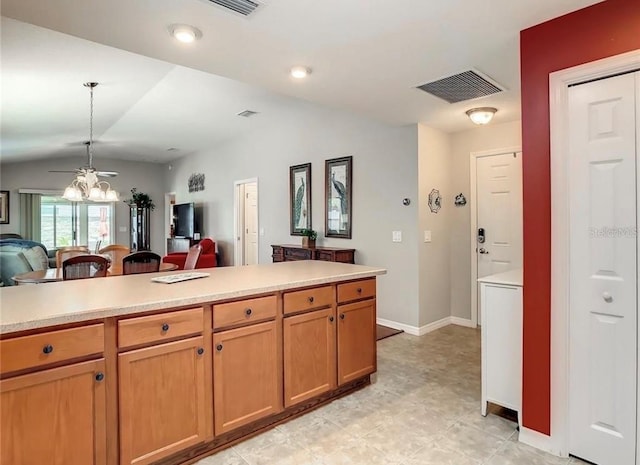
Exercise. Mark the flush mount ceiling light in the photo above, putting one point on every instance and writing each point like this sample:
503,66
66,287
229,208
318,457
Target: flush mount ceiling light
482,115
185,33
300,72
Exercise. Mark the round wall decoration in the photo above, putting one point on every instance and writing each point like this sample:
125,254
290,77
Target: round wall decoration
435,201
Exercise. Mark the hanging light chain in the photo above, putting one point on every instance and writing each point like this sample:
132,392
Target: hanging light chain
91,85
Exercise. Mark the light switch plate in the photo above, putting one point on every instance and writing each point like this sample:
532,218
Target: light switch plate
427,236
262,231
122,229
396,236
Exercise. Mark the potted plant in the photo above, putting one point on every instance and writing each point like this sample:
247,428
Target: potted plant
140,200
309,237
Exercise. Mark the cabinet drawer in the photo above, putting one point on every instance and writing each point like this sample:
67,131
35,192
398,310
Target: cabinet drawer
298,254
244,311
306,300
154,328
55,346
357,290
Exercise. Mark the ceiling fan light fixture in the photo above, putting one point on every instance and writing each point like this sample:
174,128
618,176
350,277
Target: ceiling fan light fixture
86,185
185,33
481,115
300,72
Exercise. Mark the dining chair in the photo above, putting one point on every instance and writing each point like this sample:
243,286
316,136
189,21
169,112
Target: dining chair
84,266
67,252
117,252
192,257
141,262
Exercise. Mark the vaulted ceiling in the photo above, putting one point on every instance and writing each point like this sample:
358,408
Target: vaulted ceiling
367,57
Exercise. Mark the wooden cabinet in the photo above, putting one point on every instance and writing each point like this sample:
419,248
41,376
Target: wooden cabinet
55,416
309,355
246,383
289,252
162,400
356,340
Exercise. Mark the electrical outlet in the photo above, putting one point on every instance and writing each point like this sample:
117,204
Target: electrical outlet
427,236
262,231
396,236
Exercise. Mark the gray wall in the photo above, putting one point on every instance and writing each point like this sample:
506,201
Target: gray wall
490,137
384,172
434,170
147,177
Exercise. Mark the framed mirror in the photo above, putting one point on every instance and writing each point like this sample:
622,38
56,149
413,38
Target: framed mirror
337,188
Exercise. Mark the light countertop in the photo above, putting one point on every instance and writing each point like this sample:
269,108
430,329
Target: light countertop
41,305
508,278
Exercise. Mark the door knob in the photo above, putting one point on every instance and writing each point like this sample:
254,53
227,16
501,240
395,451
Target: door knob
483,251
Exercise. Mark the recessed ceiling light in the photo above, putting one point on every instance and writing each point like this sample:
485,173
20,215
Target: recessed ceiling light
481,115
185,33
300,72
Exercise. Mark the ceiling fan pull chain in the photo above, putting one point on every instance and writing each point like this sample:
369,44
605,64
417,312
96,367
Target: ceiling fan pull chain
91,85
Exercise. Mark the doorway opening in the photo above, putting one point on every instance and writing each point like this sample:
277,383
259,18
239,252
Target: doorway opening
246,249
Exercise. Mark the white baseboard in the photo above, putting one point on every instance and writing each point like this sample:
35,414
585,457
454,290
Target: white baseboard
455,320
539,441
422,330
413,330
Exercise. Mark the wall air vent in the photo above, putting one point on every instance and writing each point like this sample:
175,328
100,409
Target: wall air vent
244,7
463,86
247,113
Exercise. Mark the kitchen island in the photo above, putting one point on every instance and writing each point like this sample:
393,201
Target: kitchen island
123,370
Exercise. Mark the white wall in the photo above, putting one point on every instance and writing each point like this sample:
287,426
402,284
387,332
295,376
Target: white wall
384,172
434,168
147,177
492,136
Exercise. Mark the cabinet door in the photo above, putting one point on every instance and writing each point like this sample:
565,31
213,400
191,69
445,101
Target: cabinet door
356,340
309,355
55,417
245,375
162,400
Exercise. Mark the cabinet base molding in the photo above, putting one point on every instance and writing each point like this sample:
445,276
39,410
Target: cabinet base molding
231,438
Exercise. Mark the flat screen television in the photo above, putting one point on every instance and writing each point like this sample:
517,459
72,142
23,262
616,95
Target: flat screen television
184,219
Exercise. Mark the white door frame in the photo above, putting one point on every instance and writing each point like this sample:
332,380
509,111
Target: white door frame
168,196
473,172
237,230
559,81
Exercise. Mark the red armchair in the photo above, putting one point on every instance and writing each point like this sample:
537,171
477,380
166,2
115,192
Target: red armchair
207,257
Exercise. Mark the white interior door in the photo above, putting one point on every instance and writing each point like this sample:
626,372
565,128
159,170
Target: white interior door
499,214
603,270
251,224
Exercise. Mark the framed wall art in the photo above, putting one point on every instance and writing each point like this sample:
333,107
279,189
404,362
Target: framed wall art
337,188
300,198
4,207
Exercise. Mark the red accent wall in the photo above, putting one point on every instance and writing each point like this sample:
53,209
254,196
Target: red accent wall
599,31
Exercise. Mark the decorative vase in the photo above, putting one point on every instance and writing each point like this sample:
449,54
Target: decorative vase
309,243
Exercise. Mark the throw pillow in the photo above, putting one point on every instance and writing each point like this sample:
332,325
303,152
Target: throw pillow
37,258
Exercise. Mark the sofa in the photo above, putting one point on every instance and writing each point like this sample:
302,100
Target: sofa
19,256
208,257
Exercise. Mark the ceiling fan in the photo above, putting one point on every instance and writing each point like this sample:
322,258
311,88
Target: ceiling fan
89,168
86,185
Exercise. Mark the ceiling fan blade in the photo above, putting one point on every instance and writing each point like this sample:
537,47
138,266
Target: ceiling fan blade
63,171
107,174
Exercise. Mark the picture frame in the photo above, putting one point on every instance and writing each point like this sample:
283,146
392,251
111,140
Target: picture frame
4,207
299,198
338,190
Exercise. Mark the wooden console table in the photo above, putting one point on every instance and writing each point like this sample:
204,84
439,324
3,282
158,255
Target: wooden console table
289,253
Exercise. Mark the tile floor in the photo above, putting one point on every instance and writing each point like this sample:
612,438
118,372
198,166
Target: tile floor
422,409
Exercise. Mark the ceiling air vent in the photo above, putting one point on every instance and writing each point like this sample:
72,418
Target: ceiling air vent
244,7
463,86
247,113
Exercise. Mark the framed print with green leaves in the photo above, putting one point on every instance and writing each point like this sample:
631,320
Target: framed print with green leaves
300,198
337,188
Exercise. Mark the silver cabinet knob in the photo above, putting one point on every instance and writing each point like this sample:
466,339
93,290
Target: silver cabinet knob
608,298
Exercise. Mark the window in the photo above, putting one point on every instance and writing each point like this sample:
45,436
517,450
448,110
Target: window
65,223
